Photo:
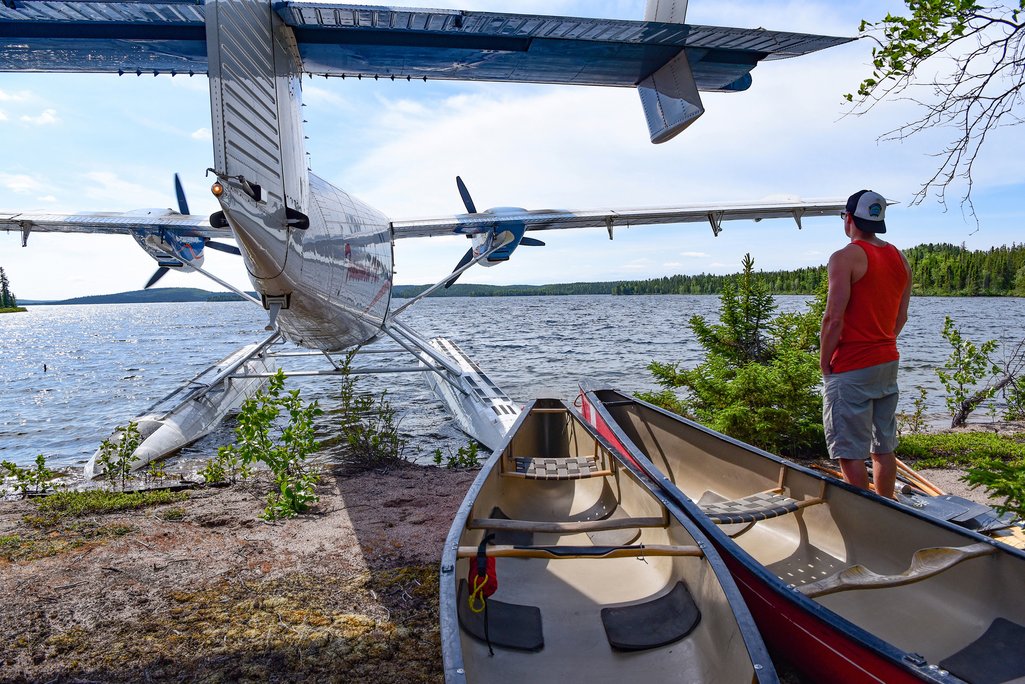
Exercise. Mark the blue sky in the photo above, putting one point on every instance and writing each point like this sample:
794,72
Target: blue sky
108,143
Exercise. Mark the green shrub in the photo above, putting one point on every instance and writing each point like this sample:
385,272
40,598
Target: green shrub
285,451
465,457
369,430
759,381
38,480
966,367
118,453
1003,480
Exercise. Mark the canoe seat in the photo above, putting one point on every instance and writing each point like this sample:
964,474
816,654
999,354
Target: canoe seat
508,624
651,624
557,468
996,656
924,564
760,506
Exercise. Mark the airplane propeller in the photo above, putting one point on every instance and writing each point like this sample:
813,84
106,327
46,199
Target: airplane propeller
183,208
160,272
471,208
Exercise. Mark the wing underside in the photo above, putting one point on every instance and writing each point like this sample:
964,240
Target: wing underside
114,223
545,219
376,42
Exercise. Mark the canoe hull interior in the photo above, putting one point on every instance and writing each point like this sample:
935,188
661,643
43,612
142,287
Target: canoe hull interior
571,592
903,625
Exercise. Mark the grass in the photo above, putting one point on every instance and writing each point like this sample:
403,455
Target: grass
66,521
961,449
63,505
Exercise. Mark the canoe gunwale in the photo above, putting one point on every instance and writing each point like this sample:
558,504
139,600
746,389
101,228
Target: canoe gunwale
913,665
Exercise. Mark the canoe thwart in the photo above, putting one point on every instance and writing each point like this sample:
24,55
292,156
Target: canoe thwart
502,624
759,506
573,468
633,551
565,527
924,564
651,624
997,656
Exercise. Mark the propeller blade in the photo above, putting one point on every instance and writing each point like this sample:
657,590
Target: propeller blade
156,276
467,258
531,242
183,206
221,247
465,194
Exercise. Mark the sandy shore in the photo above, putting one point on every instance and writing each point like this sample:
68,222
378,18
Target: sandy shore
203,590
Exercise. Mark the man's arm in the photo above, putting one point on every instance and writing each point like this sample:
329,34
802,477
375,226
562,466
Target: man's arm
902,312
839,270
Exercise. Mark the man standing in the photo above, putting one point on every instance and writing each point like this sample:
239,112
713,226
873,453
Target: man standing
867,306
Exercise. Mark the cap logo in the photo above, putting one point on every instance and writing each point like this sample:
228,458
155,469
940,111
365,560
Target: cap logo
874,210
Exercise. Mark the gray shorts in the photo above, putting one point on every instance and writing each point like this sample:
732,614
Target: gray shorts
859,411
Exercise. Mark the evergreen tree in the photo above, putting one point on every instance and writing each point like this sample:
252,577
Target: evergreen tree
6,298
759,380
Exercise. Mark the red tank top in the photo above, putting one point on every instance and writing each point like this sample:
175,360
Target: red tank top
868,338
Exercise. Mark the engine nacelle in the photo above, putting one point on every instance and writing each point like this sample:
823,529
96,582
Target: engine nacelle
172,251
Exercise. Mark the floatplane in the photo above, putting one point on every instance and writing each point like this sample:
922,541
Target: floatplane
319,259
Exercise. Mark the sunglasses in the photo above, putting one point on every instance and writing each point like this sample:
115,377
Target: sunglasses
843,215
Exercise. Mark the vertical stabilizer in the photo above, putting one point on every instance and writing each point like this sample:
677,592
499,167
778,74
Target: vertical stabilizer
669,96
666,11
257,124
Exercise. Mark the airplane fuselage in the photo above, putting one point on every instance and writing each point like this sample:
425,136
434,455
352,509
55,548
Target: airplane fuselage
333,278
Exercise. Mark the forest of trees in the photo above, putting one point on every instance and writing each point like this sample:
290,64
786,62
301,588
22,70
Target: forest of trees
938,270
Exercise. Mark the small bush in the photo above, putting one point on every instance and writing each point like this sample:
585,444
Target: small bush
118,453
465,457
286,453
38,480
368,426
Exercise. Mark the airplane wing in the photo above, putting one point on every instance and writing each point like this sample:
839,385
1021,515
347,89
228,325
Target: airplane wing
143,222
667,61
546,219
168,36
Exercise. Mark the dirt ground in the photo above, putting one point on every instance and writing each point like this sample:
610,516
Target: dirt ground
204,591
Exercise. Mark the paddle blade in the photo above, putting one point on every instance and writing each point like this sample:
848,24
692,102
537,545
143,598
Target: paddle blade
465,194
183,205
531,242
155,277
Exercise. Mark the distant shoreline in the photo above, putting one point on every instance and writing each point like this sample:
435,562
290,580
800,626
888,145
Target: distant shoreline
194,295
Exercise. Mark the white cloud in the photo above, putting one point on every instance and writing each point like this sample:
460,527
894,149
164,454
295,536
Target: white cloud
20,183
202,134
20,96
699,255
47,198
3,115
45,118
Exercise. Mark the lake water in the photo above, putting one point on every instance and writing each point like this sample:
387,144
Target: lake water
106,364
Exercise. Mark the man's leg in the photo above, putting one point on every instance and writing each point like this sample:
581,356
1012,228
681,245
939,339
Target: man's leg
884,473
855,472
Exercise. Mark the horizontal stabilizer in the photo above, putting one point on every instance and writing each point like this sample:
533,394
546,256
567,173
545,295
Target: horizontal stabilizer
670,98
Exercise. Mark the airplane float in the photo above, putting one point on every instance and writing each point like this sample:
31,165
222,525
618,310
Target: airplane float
321,260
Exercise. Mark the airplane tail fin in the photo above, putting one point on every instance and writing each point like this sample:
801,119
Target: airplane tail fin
669,96
257,124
